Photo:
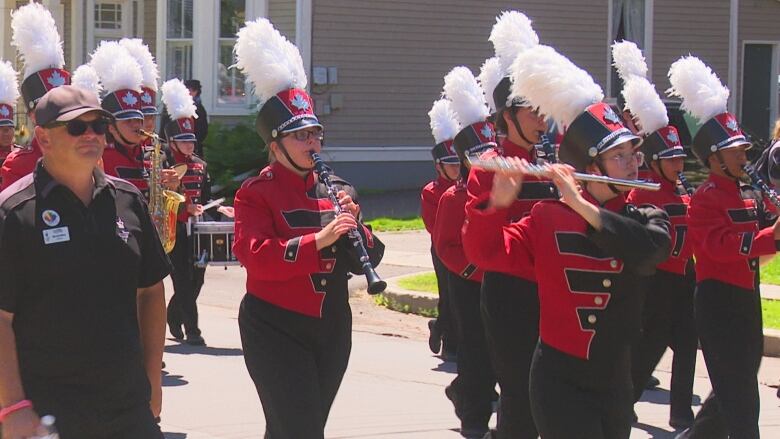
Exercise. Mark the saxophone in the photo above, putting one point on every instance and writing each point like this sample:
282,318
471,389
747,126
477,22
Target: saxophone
163,203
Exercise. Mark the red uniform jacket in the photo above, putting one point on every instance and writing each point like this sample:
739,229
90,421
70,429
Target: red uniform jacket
429,200
723,222
4,153
447,239
590,308
277,215
127,162
192,181
19,163
675,205
534,190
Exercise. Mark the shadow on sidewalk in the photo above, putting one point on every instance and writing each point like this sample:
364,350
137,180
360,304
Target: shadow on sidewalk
662,396
655,432
170,380
169,435
447,367
186,349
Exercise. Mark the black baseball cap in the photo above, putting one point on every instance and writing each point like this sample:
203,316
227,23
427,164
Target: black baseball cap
65,103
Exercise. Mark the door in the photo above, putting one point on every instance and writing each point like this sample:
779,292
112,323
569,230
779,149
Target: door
757,89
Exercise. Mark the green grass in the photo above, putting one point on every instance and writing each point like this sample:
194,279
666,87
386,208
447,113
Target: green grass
770,273
771,311
425,282
385,224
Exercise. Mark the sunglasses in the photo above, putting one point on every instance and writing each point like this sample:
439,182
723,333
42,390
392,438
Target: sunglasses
78,127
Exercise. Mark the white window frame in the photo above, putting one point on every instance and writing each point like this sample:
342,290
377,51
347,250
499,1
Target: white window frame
205,23
647,51
127,22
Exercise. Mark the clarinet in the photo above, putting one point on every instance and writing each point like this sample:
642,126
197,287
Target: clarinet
758,182
375,284
685,184
548,149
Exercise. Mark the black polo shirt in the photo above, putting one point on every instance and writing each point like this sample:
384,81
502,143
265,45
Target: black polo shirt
69,274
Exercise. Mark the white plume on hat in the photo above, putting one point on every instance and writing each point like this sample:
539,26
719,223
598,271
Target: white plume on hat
177,99
34,34
702,93
269,61
142,55
490,75
116,68
444,126
467,97
86,78
628,60
644,104
9,84
511,35
553,84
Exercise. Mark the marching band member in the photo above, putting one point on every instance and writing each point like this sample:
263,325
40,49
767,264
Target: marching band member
590,251
149,77
295,319
9,94
443,335
473,388
187,278
35,36
509,302
732,235
668,311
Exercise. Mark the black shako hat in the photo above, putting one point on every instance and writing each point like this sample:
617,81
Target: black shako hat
595,131
37,84
287,111
474,139
663,144
445,153
501,96
720,132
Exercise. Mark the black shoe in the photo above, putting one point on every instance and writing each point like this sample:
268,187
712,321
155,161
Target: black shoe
434,339
474,432
195,340
452,395
176,331
163,365
680,423
684,435
652,383
635,417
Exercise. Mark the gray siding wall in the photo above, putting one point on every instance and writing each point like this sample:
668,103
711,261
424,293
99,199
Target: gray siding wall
282,15
150,25
392,55
698,27
758,21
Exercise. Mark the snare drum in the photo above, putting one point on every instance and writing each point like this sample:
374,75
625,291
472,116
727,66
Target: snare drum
212,243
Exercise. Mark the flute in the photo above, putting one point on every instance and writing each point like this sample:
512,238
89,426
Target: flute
375,284
685,184
500,163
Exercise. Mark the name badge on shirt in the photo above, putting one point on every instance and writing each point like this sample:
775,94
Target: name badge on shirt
53,236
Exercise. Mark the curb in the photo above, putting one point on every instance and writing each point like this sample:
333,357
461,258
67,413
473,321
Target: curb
418,302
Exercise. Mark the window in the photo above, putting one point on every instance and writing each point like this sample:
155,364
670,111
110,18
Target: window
628,23
178,44
108,16
230,82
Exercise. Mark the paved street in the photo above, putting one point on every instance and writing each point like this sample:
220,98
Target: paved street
394,387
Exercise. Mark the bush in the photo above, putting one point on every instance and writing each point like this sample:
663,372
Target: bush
232,150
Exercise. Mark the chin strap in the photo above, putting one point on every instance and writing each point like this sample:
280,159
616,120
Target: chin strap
289,159
723,166
663,174
121,137
440,167
603,171
518,127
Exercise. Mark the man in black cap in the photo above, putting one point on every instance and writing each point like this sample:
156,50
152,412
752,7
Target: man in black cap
82,303
202,120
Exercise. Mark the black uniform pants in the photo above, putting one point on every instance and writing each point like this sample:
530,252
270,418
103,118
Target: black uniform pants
444,323
510,314
475,383
729,323
668,321
187,283
297,364
565,408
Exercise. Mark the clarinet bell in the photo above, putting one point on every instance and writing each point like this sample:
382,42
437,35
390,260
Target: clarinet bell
375,284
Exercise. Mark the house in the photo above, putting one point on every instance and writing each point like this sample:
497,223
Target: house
375,67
